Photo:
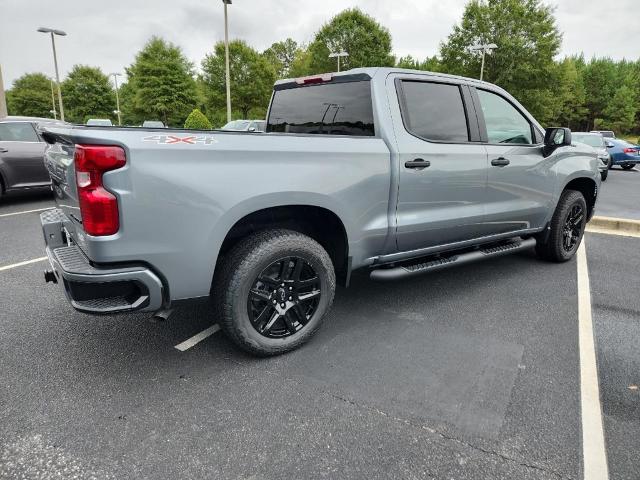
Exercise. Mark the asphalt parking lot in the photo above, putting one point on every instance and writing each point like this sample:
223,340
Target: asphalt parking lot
471,372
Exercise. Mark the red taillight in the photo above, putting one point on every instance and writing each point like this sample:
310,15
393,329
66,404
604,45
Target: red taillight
630,150
98,207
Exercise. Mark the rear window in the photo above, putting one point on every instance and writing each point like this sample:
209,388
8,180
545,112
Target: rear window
329,109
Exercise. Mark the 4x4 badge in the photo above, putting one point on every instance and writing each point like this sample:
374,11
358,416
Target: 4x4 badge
178,139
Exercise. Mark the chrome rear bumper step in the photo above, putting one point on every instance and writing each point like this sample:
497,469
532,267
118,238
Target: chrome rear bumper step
431,264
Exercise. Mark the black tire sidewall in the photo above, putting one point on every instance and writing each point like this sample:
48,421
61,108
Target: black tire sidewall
568,200
293,244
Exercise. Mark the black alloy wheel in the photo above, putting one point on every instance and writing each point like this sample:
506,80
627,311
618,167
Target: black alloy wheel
573,227
284,297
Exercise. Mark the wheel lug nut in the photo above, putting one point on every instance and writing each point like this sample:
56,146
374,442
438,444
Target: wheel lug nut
274,302
282,284
290,288
290,298
283,305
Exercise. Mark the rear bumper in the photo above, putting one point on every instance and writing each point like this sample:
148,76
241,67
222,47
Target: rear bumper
97,288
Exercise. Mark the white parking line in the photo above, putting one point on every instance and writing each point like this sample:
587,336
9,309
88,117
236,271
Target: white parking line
190,342
593,446
20,264
25,211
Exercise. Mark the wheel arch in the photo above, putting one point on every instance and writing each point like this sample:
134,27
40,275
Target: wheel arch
589,189
319,223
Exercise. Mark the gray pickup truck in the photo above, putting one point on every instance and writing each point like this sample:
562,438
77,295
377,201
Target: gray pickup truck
400,172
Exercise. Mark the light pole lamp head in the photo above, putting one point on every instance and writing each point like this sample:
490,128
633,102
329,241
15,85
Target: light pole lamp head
226,2
52,30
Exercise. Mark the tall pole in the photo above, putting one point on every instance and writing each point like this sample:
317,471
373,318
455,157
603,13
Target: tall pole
115,80
226,51
55,62
53,100
3,100
484,49
482,65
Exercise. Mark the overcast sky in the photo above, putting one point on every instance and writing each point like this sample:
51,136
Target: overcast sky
108,34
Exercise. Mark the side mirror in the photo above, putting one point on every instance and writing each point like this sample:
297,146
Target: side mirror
609,145
252,129
557,136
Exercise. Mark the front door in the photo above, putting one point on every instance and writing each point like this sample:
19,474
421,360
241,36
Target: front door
520,183
443,166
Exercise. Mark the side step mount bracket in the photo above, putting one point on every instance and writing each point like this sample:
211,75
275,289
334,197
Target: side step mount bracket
432,264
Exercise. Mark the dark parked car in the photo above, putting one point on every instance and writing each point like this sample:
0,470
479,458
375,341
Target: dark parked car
22,154
623,153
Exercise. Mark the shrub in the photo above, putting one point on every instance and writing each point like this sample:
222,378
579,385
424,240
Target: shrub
197,121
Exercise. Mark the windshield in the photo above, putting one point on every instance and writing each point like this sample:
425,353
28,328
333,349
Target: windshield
236,125
591,140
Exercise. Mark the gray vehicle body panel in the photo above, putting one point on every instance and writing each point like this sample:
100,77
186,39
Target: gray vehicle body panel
178,201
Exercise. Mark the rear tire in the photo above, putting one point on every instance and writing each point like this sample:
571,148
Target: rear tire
628,167
566,228
273,291
604,175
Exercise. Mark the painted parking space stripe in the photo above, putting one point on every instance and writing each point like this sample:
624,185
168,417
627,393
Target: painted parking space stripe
25,211
593,445
21,264
190,342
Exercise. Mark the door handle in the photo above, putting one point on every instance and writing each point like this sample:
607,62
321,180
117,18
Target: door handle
3,150
417,164
500,162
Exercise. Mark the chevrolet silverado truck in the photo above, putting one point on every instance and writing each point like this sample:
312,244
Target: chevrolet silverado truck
396,171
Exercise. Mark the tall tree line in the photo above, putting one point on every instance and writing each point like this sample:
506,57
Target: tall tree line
162,84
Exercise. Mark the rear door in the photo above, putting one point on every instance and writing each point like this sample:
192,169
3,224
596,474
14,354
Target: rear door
521,183
443,164
22,156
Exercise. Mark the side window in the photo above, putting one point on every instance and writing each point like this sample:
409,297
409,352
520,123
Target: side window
434,111
504,123
17,132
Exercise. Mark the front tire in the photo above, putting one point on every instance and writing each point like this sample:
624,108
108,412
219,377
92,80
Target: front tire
566,228
603,175
273,291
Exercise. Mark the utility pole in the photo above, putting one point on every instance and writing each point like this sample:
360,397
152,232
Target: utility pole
53,101
226,52
484,48
115,80
3,100
338,55
54,32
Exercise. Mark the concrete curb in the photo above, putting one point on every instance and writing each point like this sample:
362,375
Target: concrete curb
611,223
619,226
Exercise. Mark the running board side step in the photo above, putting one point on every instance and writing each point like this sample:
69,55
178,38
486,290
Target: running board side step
440,263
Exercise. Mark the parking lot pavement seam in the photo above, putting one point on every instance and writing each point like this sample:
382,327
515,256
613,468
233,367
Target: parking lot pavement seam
11,214
411,424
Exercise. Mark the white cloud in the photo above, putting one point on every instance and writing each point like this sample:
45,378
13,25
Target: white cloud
108,34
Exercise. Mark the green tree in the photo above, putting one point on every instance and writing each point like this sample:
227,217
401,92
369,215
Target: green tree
301,64
600,84
281,55
252,78
527,38
619,114
30,96
569,95
87,93
366,41
160,84
430,64
197,121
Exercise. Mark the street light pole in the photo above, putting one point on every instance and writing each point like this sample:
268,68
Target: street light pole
53,100
484,48
53,32
226,53
3,100
338,55
115,80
